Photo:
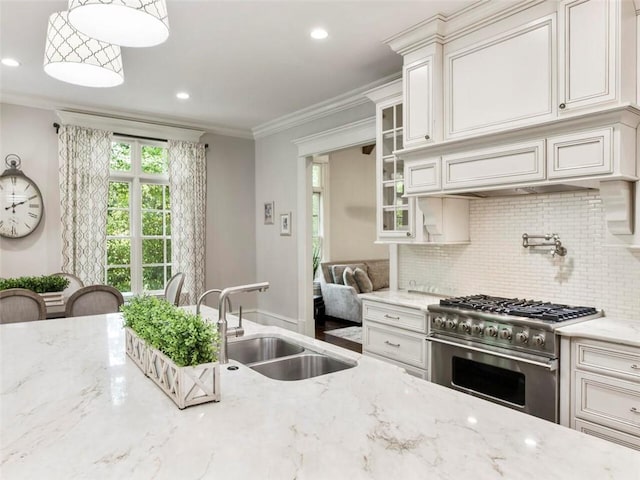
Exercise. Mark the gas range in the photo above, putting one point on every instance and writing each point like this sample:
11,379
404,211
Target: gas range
516,324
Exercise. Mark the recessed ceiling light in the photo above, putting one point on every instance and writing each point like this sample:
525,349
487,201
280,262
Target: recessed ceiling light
319,33
182,95
10,62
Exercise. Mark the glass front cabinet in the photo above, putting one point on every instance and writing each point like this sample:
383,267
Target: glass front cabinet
394,216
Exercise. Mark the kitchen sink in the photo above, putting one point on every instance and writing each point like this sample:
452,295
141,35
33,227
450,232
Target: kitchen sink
260,349
281,359
300,367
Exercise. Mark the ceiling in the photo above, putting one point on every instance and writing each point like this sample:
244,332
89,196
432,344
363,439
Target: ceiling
244,63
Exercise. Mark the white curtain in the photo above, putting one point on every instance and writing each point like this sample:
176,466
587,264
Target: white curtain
84,155
187,184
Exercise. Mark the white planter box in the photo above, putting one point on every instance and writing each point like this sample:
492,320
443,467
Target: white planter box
53,299
186,386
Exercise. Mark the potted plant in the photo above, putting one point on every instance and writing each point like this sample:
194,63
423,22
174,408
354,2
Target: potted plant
50,287
316,257
174,348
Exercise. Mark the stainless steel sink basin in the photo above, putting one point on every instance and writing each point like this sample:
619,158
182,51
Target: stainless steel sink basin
300,367
260,349
283,359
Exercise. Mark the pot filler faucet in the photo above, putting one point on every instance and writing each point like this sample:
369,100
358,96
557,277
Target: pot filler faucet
223,303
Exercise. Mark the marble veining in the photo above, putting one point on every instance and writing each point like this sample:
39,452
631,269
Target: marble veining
73,406
403,298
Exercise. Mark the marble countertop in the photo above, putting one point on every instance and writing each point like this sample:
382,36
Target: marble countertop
608,329
73,406
404,298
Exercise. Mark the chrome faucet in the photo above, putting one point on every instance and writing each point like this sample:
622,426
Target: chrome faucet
213,290
238,331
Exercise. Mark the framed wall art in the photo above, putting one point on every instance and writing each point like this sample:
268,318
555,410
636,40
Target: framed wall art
285,224
269,208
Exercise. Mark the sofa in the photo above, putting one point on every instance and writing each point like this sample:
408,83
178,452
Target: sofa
362,276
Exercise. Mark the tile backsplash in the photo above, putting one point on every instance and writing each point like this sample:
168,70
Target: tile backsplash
496,263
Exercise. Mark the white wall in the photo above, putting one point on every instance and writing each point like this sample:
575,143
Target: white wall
29,133
495,263
276,166
230,248
352,186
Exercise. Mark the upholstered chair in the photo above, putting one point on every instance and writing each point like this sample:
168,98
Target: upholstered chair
173,289
21,305
74,283
93,300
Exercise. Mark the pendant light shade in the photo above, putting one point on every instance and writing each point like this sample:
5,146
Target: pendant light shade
75,58
128,23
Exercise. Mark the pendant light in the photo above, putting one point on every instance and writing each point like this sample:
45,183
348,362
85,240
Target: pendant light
75,58
128,23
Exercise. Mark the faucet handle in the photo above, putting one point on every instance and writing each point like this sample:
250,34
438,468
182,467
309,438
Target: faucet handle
240,317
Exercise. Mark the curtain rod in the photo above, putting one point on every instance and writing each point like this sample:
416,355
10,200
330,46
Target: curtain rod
57,127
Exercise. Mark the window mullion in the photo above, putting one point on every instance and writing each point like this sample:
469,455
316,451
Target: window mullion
136,215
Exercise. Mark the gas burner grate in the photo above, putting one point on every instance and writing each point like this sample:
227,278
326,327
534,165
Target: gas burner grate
549,312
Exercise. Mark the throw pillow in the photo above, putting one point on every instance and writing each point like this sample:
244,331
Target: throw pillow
379,274
338,271
350,280
363,281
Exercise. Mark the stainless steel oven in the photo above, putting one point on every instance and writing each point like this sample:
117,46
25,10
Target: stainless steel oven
527,384
500,349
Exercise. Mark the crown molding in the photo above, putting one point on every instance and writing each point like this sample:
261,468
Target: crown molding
345,136
342,102
445,28
47,103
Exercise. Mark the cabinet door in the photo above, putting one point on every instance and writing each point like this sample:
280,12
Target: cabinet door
579,154
422,175
418,101
609,434
507,81
587,53
396,344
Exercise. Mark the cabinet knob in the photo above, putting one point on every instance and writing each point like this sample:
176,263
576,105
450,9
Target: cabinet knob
427,137
408,234
562,106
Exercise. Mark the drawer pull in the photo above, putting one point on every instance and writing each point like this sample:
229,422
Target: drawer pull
634,410
635,367
397,345
392,317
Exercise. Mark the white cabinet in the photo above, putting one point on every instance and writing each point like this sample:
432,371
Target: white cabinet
422,97
505,81
579,154
394,214
396,334
605,390
595,53
504,164
422,175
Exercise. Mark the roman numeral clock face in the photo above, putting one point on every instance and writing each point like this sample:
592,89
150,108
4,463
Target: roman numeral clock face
21,206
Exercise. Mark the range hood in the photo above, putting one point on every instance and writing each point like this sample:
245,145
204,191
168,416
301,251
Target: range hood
525,190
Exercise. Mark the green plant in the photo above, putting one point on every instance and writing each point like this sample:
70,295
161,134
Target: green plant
317,254
41,284
184,337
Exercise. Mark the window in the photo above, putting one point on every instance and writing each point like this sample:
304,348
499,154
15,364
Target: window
138,217
317,182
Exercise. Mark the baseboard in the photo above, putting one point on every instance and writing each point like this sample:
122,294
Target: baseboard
268,318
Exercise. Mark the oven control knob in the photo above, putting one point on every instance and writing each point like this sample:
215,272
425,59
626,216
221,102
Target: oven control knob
539,339
452,323
477,329
492,331
505,334
465,327
522,337
439,321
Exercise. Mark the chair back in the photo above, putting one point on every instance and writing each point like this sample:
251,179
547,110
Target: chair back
74,283
21,305
173,289
93,300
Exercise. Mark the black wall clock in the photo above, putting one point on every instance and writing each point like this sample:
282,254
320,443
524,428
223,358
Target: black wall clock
21,206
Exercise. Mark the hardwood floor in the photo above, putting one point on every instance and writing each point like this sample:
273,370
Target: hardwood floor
331,323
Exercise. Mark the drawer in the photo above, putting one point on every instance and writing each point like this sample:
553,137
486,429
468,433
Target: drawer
608,401
402,317
609,434
578,154
515,163
410,369
618,360
396,344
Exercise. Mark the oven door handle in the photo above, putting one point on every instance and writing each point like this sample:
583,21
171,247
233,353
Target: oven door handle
551,365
